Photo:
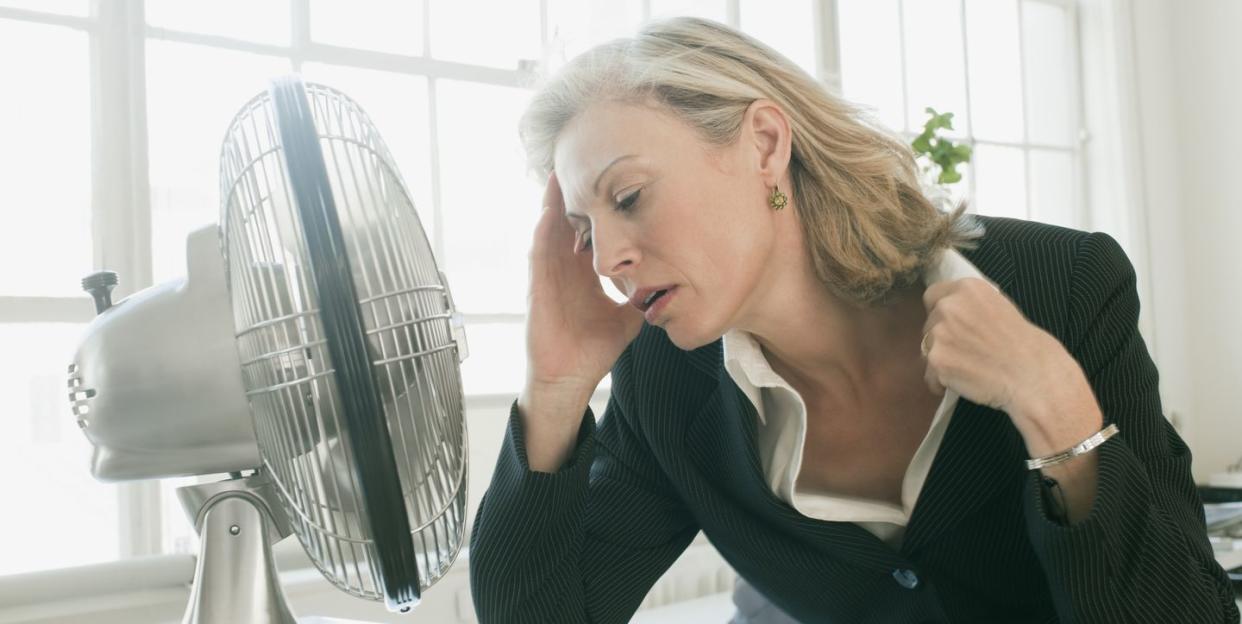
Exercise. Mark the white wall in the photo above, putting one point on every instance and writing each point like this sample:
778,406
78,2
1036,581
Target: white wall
1189,61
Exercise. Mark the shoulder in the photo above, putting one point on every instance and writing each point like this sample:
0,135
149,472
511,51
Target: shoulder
1039,244
1029,240
1054,274
1046,250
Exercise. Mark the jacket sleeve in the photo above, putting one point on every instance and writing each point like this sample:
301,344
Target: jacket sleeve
584,544
1142,553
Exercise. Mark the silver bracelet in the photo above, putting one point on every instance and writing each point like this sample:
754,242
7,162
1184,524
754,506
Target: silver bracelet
1081,448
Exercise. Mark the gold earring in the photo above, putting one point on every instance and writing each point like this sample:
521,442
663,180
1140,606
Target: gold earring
777,199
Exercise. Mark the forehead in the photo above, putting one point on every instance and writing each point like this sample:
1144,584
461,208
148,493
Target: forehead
606,131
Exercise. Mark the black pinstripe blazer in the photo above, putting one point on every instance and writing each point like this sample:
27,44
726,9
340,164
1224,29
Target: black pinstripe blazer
675,454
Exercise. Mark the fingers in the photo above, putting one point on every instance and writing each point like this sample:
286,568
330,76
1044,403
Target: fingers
931,373
552,198
553,231
932,378
973,285
554,258
934,293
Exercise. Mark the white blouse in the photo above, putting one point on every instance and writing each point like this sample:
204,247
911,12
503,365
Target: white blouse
782,431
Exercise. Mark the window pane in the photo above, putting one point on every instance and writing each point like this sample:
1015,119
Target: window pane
1050,73
490,205
786,26
70,518
1053,188
710,9
574,26
178,536
45,160
263,21
496,34
871,57
397,105
1000,181
381,25
935,69
193,93
995,64
64,7
497,362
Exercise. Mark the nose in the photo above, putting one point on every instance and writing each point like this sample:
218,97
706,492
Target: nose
614,253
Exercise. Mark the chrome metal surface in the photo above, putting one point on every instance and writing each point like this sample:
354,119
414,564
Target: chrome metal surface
197,499
235,579
411,330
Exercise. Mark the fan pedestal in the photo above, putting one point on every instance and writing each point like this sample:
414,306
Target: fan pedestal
236,580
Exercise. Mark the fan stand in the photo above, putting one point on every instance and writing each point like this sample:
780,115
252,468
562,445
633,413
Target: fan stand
235,579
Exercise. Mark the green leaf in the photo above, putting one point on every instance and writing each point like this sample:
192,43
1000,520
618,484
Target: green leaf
941,151
949,176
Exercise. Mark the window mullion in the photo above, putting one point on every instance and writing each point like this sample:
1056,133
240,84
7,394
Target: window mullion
120,183
1026,130
433,140
828,44
299,36
37,17
1080,116
905,88
46,310
121,211
970,127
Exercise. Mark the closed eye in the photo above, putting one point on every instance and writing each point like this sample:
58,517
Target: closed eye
625,204
628,201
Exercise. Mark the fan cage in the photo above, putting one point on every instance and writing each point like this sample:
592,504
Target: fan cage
286,369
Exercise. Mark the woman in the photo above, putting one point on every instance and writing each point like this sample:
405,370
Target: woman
836,382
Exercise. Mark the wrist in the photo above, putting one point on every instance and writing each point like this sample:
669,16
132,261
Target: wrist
566,399
1059,429
1057,432
1053,421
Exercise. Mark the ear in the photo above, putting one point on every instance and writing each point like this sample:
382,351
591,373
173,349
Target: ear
766,127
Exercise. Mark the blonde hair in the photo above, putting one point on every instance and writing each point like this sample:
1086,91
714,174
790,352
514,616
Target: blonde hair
868,226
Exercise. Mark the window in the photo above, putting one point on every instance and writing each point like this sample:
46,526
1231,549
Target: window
47,136
1007,69
58,514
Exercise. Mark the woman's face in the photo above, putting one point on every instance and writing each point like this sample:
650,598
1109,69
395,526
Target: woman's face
659,208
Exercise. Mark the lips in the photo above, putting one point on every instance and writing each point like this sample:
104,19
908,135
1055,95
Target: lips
640,297
661,301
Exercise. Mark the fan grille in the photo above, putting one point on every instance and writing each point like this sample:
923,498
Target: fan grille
288,374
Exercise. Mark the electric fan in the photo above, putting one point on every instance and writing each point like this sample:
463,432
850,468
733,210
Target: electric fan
313,343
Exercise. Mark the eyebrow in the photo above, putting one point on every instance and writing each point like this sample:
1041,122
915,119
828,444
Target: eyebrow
595,187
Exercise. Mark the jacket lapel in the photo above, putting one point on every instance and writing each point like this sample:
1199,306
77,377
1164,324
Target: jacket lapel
981,450
724,445
976,458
